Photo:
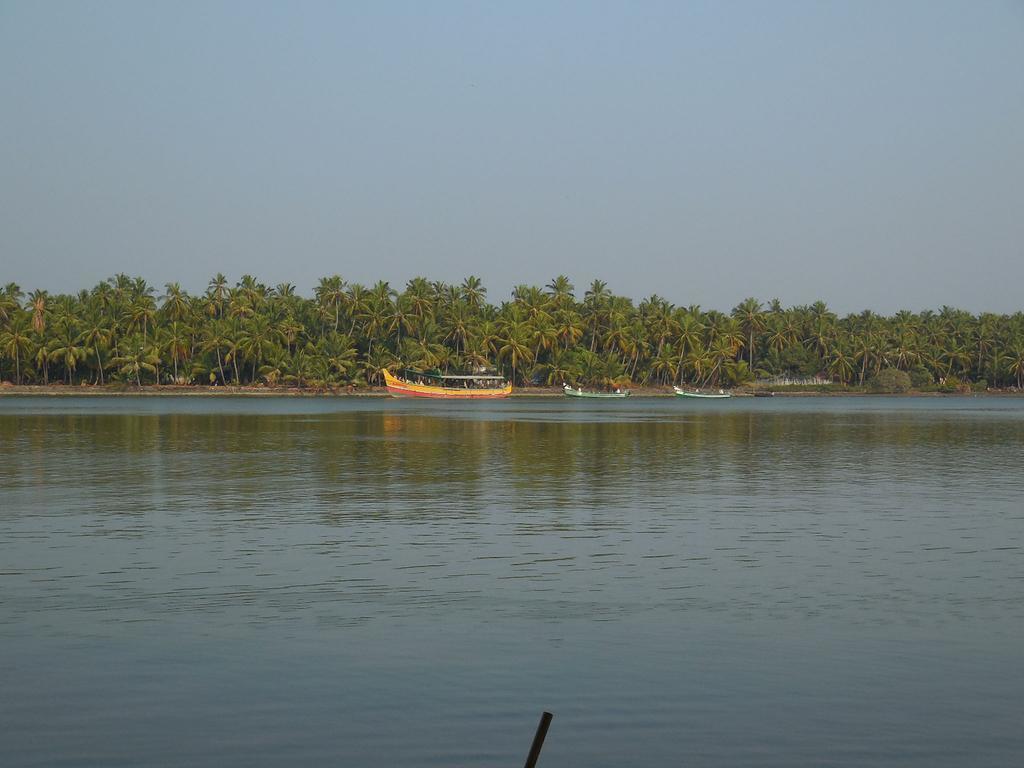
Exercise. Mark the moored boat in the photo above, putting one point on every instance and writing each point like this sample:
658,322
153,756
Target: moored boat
455,387
719,395
578,392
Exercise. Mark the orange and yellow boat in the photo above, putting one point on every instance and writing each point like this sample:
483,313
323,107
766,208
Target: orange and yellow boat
461,387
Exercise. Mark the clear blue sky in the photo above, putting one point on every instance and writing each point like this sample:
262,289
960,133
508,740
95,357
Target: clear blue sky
870,154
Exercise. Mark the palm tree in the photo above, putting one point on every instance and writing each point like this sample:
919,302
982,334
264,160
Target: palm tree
215,340
357,301
863,349
176,306
750,316
339,352
216,295
840,365
698,362
635,345
277,365
303,366
233,335
721,352
658,318
690,336
375,320
41,355
905,351
513,345
330,294
543,334
10,301
419,296
140,313
591,367
560,367
665,366
473,292
65,349
37,303
94,335
16,341
568,327
289,330
137,358
457,325
374,363
1015,360
595,301
561,290
256,336
820,337
176,340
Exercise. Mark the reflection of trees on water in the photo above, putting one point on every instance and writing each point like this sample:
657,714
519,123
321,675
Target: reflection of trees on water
420,467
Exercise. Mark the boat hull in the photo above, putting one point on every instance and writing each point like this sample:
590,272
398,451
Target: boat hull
398,388
570,392
702,396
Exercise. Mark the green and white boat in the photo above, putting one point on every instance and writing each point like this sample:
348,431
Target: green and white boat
719,395
578,392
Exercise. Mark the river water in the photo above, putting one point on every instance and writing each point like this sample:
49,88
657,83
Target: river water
366,582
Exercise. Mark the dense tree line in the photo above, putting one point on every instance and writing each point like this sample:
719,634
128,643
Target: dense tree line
346,334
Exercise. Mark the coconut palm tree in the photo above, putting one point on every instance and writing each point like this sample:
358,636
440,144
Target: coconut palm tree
559,368
256,336
65,349
137,358
374,363
216,339
37,301
276,367
840,365
330,294
664,366
750,315
1015,362
94,335
176,341
514,346
16,340
175,305
473,292
561,290
216,296
568,327
595,302
10,302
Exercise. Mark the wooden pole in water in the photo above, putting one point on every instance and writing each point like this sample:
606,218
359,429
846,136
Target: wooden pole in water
538,740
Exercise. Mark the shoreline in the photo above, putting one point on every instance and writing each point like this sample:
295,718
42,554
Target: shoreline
195,390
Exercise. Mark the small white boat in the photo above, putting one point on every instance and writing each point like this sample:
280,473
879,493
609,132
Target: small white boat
578,392
719,395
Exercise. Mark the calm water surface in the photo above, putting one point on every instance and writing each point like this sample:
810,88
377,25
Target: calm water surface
325,582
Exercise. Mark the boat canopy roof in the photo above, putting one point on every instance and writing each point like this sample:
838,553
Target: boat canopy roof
454,377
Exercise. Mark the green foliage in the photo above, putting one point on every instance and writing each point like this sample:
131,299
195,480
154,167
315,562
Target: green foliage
247,333
921,377
891,380
794,360
952,385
